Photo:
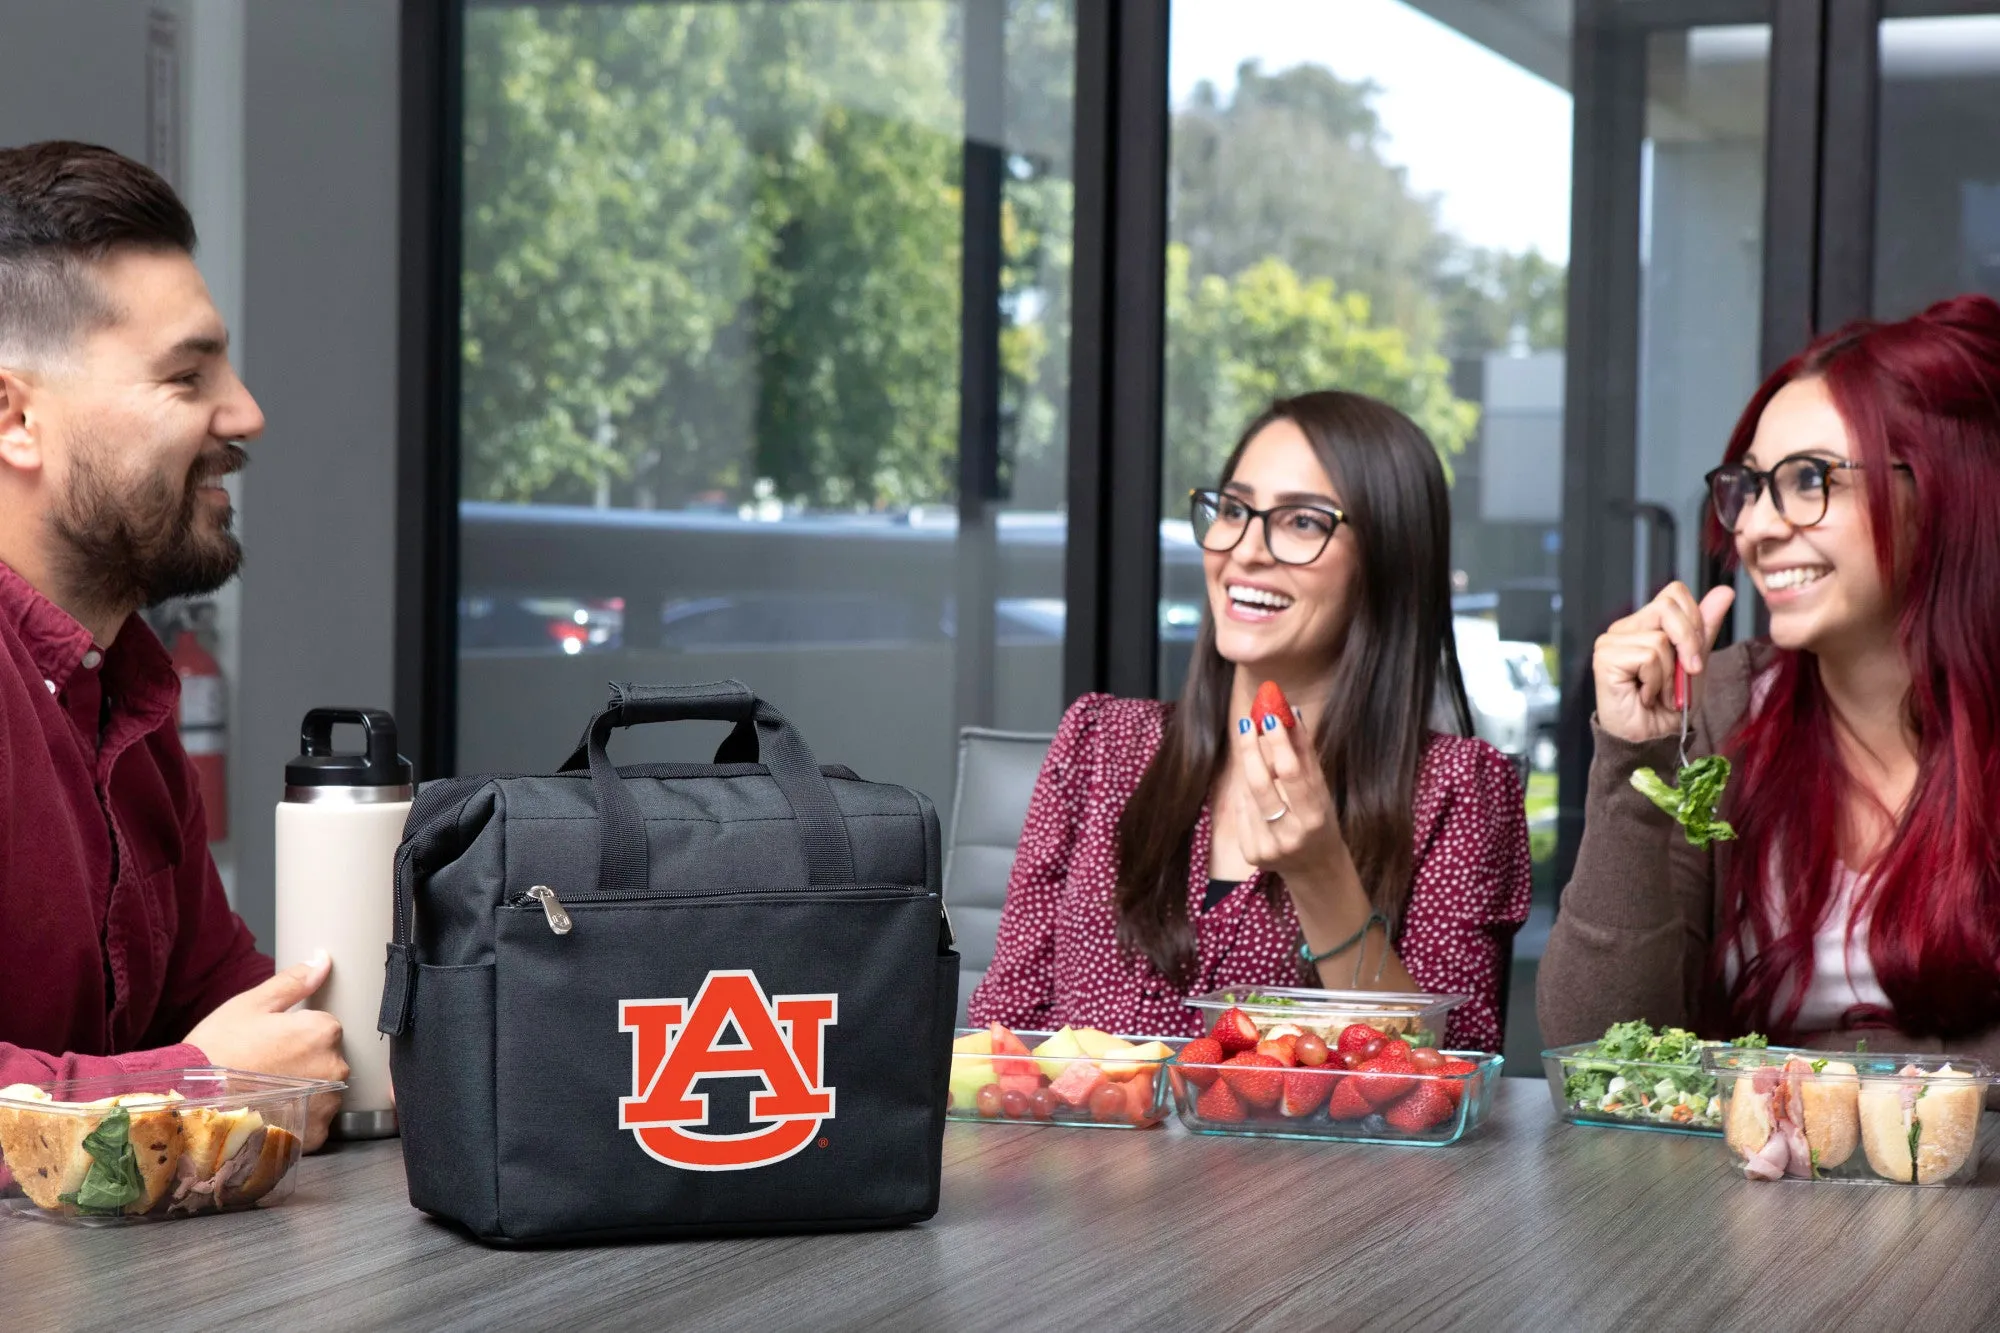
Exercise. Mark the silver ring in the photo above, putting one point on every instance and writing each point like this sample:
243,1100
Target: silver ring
1283,810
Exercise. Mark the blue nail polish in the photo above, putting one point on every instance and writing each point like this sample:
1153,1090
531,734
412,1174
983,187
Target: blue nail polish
1270,721
1243,726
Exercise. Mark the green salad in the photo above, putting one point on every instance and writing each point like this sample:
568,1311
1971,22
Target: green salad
1635,1074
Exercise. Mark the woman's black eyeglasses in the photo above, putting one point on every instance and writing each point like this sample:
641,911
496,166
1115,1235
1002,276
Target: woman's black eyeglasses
1293,534
1799,484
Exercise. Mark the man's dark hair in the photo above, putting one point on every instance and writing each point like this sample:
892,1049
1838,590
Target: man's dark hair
64,207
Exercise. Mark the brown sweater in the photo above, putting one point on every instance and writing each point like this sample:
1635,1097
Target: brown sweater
1641,912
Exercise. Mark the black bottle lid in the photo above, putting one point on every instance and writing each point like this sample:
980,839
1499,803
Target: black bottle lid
317,764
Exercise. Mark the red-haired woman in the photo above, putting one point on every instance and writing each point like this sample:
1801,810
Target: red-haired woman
1861,492
1171,850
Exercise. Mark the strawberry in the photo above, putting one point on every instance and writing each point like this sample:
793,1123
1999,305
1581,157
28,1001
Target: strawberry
1257,1079
1200,1051
1235,1031
1306,1090
1347,1102
1219,1104
1354,1036
1397,1053
1451,1074
1391,1080
1271,703
1425,1109
1282,1049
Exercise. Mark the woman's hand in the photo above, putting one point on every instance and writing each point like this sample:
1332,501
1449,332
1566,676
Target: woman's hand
1282,774
1633,661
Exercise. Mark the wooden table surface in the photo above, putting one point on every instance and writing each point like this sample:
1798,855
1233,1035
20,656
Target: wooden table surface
1530,1224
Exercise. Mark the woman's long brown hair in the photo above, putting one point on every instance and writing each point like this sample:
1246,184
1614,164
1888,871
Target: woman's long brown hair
1398,650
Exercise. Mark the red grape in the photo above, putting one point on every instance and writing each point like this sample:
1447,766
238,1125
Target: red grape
989,1100
1423,1057
1373,1048
1014,1103
1108,1102
1043,1104
1310,1049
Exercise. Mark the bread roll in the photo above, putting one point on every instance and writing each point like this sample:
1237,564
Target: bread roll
1748,1124
1832,1103
44,1149
1945,1111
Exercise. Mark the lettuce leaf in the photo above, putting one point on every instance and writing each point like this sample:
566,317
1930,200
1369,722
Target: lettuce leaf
1693,803
113,1179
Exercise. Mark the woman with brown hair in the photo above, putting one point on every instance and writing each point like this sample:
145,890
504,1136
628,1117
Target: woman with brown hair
1172,849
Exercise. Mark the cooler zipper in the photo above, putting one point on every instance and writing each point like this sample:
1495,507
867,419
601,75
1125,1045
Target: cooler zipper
560,922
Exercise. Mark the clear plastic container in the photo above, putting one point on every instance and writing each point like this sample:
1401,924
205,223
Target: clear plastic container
1065,1084
1330,1102
1589,1089
1418,1019
1853,1117
150,1147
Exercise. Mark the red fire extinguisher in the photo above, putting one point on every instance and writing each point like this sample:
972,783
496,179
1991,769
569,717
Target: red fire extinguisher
205,726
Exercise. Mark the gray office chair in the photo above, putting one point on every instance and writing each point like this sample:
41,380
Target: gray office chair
996,778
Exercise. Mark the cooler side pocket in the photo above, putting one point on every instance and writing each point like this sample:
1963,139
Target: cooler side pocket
443,1070
944,1017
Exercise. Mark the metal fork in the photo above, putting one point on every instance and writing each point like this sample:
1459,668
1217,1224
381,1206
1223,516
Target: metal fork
1681,702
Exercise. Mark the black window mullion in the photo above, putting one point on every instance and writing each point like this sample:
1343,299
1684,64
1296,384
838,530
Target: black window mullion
1601,391
1118,345
427,465
1853,68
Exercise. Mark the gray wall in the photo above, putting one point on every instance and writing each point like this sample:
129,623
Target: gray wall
75,70
320,320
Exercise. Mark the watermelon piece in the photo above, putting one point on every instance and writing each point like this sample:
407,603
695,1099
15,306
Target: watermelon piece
1011,1068
1078,1082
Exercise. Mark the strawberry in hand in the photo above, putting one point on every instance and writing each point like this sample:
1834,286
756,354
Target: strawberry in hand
1271,705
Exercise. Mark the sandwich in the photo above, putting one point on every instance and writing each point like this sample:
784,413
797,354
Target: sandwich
139,1153
114,1155
1921,1126
1795,1119
230,1159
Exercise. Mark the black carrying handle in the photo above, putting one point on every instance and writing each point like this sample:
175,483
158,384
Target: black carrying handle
624,861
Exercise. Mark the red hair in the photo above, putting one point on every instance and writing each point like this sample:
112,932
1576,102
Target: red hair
1925,392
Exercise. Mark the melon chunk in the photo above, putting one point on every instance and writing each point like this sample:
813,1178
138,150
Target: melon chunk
1055,1053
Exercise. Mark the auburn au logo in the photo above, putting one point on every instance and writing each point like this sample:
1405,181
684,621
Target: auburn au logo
675,1044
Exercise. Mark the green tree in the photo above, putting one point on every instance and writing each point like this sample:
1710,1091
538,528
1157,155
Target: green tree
1292,166
602,268
1234,345
1494,299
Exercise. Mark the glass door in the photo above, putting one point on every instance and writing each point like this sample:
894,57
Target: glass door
1937,160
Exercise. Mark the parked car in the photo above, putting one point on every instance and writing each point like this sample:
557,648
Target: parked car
1514,703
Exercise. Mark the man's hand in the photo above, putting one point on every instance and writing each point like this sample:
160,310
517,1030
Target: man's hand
260,1032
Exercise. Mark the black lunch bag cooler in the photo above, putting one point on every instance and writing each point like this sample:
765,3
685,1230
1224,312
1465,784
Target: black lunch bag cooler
671,999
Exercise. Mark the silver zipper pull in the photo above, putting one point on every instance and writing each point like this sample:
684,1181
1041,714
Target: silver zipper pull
559,921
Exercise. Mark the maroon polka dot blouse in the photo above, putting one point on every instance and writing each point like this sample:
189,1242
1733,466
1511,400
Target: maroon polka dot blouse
1057,960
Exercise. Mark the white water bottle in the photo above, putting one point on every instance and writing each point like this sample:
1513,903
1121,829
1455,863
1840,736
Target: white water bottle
338,829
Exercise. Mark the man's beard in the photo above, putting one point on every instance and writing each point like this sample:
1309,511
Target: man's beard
120,552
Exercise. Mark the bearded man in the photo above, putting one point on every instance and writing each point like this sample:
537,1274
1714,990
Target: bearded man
120,415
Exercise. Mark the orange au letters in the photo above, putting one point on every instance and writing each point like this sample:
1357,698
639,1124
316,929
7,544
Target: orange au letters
674,1046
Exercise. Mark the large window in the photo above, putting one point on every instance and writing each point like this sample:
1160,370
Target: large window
1365,197
764,364
1937,217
